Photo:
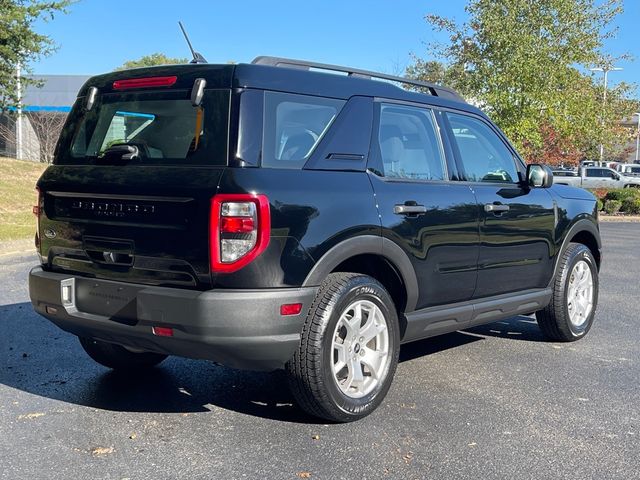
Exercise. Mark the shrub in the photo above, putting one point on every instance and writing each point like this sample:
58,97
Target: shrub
599,193
611,207
600,204
631,206
621,194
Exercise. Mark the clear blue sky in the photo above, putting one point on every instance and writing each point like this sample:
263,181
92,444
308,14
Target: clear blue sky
98,35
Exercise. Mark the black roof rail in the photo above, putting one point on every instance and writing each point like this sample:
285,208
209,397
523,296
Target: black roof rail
433,89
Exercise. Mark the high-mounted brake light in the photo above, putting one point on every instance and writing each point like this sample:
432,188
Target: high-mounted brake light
240,230
144,82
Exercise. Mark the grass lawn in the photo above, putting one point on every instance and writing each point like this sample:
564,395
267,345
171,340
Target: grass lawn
17,197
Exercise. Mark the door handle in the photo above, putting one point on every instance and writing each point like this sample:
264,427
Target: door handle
496,208
409,209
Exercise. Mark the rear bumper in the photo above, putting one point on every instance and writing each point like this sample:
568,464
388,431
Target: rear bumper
239,328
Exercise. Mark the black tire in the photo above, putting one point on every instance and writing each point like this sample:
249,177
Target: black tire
119,358
310,371
554,320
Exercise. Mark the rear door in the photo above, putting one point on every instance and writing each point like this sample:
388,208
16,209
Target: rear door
129,194
434,220
516,222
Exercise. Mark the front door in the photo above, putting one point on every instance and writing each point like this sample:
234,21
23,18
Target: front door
516,222
434,220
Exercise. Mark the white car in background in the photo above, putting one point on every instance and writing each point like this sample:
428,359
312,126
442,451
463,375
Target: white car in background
597,177
628,169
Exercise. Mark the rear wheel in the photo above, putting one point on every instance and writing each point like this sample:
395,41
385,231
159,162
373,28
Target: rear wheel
348,351
119,358
570,314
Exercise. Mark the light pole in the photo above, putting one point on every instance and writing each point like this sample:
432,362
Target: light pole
19,153
637,114
606,71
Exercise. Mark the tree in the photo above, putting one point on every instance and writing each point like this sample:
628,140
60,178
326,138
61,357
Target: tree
41,132
151,60
525,62
20,44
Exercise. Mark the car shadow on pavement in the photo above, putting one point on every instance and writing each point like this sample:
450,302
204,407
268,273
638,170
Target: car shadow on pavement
42,360
516,328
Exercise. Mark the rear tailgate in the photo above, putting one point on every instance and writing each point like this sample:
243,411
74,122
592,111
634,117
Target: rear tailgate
128,196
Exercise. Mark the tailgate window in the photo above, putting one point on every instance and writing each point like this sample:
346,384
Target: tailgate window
148,128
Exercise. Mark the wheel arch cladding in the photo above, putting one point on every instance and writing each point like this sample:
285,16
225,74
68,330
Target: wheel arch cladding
587,239
375,256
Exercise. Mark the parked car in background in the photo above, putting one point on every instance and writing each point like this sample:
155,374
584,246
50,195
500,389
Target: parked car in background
597,177
628,169
564,173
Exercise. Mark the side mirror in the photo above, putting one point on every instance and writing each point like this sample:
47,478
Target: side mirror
539,176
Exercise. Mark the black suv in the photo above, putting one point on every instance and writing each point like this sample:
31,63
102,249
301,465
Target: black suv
270,215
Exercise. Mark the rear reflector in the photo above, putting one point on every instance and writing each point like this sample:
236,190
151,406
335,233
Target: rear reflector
290,309
50,310
162,331
144,82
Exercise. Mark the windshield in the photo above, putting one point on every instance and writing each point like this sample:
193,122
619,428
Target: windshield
148,128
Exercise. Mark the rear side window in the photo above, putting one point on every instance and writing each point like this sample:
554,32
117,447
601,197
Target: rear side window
409,144
293,127
484,156
157,128
597,172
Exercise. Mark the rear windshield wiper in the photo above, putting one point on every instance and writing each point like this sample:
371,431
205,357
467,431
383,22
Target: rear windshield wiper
122,152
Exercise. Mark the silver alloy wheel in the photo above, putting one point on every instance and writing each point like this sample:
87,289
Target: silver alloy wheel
580,293
360,349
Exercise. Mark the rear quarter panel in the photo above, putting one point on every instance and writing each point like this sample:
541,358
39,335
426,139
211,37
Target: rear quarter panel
311,211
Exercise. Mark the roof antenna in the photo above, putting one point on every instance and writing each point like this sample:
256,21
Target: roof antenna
197,58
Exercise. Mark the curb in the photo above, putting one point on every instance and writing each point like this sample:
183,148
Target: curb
619,218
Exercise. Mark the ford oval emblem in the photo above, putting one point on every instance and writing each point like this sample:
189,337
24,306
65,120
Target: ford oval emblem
50,233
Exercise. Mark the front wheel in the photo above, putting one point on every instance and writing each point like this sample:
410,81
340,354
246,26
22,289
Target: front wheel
348,350
570,314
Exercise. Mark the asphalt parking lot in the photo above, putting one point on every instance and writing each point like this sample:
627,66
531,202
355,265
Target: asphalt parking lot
492,402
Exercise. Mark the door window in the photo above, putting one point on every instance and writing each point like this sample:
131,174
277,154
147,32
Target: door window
484,156
409,144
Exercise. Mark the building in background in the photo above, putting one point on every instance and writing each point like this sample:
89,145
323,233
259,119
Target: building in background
45,109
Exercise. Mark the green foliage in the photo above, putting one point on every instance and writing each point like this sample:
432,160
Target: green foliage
151,60
611,207
600,204
631,206
20,44
622,194
525,62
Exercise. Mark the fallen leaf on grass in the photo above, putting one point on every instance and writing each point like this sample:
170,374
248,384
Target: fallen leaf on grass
102,451
31,415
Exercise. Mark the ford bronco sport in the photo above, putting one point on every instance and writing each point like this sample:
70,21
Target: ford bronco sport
271,215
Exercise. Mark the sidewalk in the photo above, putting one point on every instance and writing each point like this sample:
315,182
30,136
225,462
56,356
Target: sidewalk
16,247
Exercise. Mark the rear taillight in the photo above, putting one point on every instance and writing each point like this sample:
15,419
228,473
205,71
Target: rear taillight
240,230
37,210
37,206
